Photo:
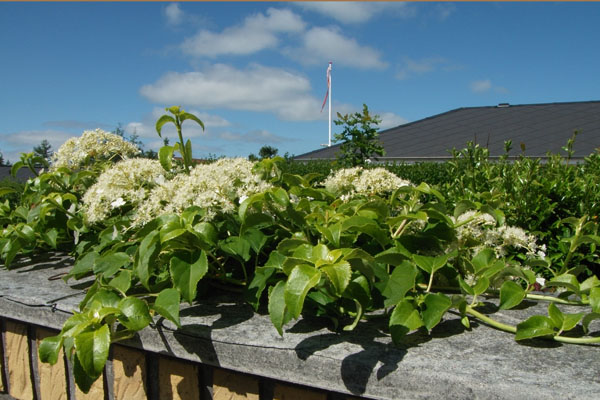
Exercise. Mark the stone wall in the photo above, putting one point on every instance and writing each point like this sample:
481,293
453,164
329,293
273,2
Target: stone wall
226,351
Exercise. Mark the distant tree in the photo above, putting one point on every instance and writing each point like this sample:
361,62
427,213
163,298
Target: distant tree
2,159
360,139
252,157
267,152
44,150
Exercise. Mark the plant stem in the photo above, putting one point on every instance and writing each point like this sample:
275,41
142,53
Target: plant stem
556,299
572,340
490,321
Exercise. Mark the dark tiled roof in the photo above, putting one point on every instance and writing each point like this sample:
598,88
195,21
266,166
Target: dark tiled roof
22,175
542,128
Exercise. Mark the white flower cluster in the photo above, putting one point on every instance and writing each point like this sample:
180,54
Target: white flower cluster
97,144
349,182
474,226
216,187
126,182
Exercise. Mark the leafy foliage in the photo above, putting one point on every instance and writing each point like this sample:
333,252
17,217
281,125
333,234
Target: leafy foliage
359,138
301,245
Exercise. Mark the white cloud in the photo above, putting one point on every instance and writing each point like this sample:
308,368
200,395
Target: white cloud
481,86
13,144
485,85
419,67
320,45
80,125
174,14
256,88
444,11
257,136
390,120
258,32
357,12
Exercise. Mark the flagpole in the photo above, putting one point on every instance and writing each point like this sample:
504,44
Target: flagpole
329,144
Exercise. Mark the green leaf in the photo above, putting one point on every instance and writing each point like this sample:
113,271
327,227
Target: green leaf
401,281
121,282
585,322
25,232
254,291
436,306
186,276
589,283
167,304
183,116
50,237
595,299
535,326
483,259
556,316
82,379
431,264
301,280
92,350
103,298
511,295
277,307
50,348
481,286
146,257
567,281
161,121
83,265
339,275
404,318
236,246
109,264
135,315
165,157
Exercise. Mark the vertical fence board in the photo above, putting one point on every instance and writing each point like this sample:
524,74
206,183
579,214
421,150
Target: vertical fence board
17,354
233,386
129,370
178,380
3,369
284,392
53,379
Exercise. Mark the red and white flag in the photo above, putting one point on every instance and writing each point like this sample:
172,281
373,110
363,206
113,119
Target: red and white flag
328,86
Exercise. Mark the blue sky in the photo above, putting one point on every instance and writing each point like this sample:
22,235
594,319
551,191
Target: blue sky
255,73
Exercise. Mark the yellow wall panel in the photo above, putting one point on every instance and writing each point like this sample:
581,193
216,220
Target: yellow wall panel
53,381
232,386
129,371
177,380
282,392
17,355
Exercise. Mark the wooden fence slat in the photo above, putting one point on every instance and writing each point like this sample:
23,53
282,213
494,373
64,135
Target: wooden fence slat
3,371
284,392
17,354
178,380
129,371
53,379
233,386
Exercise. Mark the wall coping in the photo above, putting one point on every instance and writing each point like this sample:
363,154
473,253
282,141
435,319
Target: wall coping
450,363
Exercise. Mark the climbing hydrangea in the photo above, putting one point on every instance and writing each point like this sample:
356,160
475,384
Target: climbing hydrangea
349,182
126,182
215,187
96,145
477,227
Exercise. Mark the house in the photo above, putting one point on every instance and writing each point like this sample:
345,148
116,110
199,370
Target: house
535,130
